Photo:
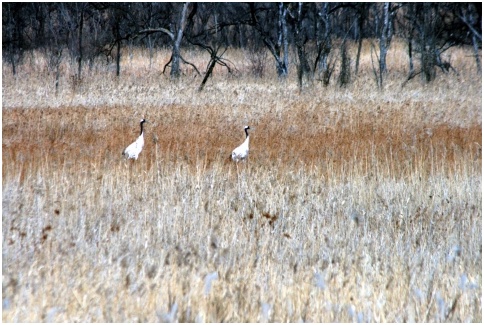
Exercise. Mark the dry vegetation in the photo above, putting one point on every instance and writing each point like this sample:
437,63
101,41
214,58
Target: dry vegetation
355,204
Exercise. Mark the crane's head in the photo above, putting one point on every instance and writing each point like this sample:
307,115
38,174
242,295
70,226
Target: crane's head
246,132
143,121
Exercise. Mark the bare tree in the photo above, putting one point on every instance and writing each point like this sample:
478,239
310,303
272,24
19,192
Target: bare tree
300,39
408,26
175,57
470,16
176,38
385,40
210,37
279,47
345,70
427,42
324,43
436,30
282,41
119,15
215,58
13,45
55,50
361,15
81,7
68,20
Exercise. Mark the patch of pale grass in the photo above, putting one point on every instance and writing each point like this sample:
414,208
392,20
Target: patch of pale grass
126,242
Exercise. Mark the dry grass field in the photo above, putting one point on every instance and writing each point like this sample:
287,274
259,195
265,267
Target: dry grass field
355,204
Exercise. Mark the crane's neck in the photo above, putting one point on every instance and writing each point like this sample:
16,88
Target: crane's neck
141,126
246,133
246,142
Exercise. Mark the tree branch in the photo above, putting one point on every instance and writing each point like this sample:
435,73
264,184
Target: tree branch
157,30
472,29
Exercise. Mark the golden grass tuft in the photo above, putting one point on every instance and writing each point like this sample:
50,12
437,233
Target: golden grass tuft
354,205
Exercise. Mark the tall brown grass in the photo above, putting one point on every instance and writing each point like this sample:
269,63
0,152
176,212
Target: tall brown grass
355,204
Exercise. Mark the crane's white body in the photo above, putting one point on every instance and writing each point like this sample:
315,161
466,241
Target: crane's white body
134,149
242,151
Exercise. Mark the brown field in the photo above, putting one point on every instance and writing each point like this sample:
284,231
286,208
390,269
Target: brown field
355,204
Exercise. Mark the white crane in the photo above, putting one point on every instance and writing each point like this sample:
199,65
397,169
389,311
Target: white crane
133,150
242,151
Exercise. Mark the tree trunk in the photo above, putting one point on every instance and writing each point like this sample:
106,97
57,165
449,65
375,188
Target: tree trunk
12,61
57,62
410,57
358,53
362,13
324,44
285,42
385,39
79,59
303,67
344,76
427,45
411,15
475,43
211,65
118,47
175,63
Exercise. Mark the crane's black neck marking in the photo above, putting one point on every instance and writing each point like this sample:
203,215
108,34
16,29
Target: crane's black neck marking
246,132
141,125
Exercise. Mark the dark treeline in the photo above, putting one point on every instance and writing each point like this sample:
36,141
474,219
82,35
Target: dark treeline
312,36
